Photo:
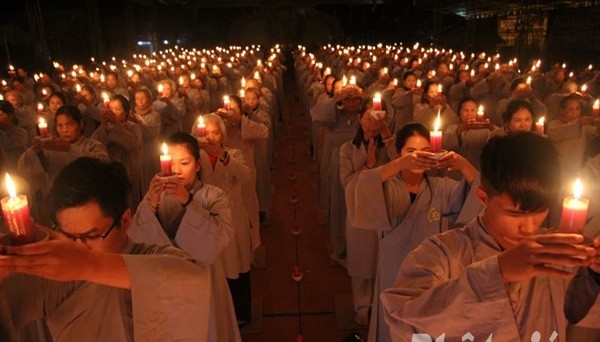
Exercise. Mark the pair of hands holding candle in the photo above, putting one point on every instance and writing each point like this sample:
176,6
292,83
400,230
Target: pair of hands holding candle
170,186
50,143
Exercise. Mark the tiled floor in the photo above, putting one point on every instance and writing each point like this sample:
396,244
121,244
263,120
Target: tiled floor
283,298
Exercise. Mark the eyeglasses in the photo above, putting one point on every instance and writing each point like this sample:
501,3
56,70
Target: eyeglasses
84,238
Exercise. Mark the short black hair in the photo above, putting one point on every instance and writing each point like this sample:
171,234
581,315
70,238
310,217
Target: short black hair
524,166
184,138
70,111
88,180
513,107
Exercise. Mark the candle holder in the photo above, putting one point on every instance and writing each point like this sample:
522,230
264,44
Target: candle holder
378,114
296,231
171,177
297,274
437,155
38,235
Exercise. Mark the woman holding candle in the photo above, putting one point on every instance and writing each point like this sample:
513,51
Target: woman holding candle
519,91
44,160
170,106
372,146
242,134
433,102
227,169
55,101
403,102
195,217
192,100
467,137
517,118
410,206
123,141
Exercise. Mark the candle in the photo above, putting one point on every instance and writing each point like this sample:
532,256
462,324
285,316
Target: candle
201,127
584,88
439,89
78,88
44,92
106,100
160,90
15,209
435,136
40,108
344,81
352,80
574,211
596,108
480,113
226,102
243,82
528,81
242,94
539,126
165,161
377,102
43,127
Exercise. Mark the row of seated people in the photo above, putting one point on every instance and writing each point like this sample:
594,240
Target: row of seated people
384,196
206,203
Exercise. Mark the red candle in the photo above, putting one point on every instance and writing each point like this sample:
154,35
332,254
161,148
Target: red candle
165,161
40,108
43,126
106,100
574,211
539,126
480,113
596,108
418,84
435,136
201,127
15,209
160,90
377,102
226,102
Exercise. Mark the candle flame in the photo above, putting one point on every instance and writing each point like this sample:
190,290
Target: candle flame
541,120
377,97
584,88
480,109
597,104
40,106
160,88
42,121
226,99
577,189
10,186
438,122
201,121
165,149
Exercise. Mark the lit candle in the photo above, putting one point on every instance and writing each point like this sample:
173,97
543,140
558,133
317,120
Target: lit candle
160,90
584,88
16,215
201,127
377,102
439,89
226,102
344,81
180,80
574,211
40,108
480,113
165,161
539,125
78,88
44,92
352,80
106,100
435,136
243,82
418,84
43,127
528,81
242,94
596,108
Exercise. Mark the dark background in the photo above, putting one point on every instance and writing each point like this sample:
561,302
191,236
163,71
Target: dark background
35,32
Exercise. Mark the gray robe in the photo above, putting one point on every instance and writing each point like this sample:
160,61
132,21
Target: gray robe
403,225
452,284
203,230
168,301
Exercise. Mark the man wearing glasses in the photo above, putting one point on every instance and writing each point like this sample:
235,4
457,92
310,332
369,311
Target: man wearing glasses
102,287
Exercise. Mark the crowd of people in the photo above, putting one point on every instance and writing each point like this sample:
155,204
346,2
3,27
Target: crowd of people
439,173
215,112
388,191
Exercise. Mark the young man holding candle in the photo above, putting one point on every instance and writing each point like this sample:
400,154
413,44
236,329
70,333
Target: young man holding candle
499,275
90,281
